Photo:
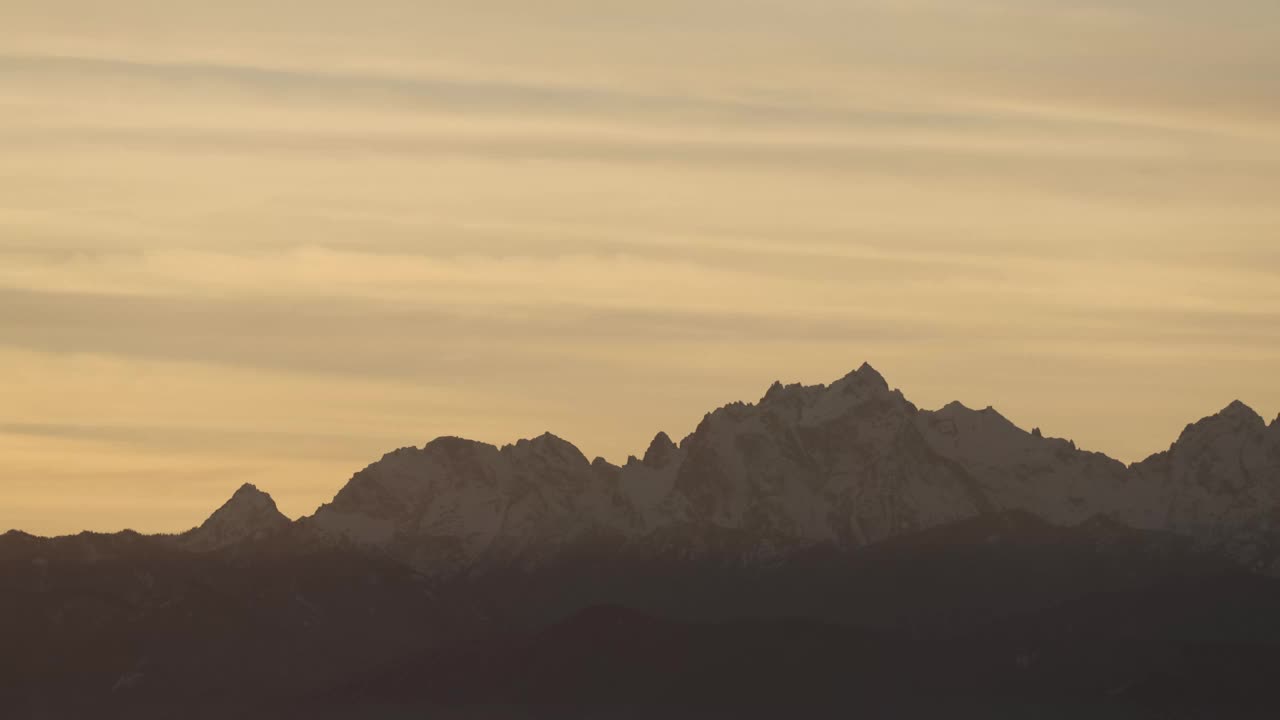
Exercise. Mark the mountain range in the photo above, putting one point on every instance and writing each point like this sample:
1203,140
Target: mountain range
839,525
849,464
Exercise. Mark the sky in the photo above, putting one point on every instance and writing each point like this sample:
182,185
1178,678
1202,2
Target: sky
268,241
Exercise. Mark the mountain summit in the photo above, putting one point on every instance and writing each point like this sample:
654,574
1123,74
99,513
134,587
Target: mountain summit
250,514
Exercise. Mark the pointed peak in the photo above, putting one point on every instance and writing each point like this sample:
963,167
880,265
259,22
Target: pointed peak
1236,414
247,497
864,376
1237,409
866,373
1233,418
249,513
660,451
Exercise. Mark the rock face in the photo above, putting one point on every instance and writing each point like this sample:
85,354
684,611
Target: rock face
1220,482
250,514
848,464
456,502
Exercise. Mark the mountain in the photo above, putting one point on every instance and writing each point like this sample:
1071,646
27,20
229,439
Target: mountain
1219,482
848,465
827,551
250,514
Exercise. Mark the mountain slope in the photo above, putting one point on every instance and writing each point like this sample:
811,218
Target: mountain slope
846,465
1219,482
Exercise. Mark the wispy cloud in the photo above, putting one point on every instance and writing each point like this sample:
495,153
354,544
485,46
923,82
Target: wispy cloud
261,241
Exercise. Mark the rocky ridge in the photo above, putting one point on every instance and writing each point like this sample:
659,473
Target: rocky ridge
847,464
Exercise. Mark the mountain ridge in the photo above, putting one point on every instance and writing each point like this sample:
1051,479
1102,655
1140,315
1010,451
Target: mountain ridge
850,463
443,576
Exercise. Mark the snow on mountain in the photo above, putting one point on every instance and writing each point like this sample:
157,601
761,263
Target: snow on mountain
645,484
250,514
847,464
1016,470
455,501
1220,482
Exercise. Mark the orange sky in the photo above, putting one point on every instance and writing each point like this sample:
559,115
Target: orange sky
268,241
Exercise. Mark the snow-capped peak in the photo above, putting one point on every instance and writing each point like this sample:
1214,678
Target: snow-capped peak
852,463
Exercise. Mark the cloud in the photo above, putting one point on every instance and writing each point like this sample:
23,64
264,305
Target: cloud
278,86
270,240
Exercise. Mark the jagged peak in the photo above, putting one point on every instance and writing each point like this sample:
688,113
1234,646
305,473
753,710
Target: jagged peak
549,444
1235,416
249,490
794,394
992,412
864,376
955,407
660,450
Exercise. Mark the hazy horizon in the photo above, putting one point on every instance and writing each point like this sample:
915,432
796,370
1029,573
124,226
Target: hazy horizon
637,452
268,242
